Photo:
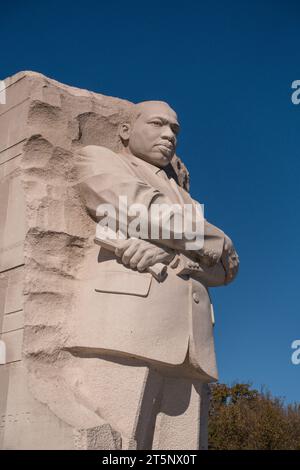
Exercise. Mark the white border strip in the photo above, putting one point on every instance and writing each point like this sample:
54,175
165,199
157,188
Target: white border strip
2,92
2,352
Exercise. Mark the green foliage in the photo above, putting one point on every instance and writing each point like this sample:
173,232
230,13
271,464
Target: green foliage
244,418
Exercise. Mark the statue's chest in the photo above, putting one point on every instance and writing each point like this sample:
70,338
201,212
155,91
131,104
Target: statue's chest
162,184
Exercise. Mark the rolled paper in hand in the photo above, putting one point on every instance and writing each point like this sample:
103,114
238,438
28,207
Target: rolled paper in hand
158,270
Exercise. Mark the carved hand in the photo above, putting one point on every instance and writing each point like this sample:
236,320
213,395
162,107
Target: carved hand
141,254
230,260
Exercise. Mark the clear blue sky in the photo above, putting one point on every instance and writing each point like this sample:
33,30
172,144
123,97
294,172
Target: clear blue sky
227,68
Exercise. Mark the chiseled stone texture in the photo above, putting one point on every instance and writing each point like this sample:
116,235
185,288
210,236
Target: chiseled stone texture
44,236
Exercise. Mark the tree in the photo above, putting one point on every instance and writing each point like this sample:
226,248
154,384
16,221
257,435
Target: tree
244,418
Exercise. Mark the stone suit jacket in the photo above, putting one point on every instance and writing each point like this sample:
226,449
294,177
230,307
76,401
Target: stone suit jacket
127,313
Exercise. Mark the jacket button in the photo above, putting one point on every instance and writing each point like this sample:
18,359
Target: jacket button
196,297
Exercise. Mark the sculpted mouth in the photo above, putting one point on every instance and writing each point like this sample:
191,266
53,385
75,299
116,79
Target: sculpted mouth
166,146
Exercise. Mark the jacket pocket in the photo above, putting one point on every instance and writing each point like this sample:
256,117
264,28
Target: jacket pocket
118,282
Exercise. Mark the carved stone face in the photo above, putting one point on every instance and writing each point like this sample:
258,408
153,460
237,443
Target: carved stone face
153,134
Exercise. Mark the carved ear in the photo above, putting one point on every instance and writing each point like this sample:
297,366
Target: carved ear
124,131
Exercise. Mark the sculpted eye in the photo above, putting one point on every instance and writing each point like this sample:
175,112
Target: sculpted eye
156,123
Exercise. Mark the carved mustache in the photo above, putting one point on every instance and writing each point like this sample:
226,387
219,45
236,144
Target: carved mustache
168,145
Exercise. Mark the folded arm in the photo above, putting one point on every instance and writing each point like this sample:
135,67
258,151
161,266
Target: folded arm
105,176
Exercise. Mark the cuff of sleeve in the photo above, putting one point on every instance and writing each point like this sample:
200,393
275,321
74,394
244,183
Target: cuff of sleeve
212,251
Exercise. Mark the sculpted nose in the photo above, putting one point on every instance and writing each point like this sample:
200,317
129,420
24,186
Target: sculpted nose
168,134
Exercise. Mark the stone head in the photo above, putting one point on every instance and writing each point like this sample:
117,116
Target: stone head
151,133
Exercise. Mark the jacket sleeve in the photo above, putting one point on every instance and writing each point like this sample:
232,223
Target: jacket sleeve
209,276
